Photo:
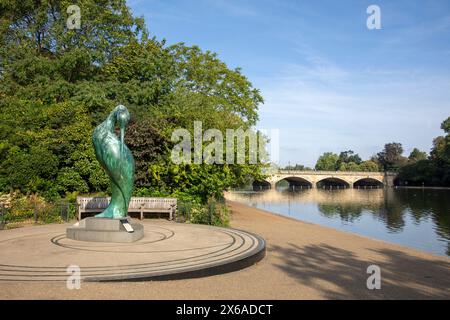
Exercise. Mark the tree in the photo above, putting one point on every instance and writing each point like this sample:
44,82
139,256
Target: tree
417,155
434,171
391,157
349,156
57,84
297,167
352,166
438,150
369,166
446,127
422,172
148,146
327,162
40,28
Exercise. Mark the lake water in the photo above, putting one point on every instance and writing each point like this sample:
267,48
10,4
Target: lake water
416,218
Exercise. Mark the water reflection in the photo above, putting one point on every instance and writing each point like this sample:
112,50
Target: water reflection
418,218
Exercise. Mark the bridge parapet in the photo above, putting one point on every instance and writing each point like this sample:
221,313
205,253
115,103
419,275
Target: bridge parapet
346,173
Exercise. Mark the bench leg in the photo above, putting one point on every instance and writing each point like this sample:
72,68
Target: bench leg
142,215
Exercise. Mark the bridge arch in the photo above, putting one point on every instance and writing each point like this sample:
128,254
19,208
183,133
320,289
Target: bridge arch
368,183
333,182
294,182
261,185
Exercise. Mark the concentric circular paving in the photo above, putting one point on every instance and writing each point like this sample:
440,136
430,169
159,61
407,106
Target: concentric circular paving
168,250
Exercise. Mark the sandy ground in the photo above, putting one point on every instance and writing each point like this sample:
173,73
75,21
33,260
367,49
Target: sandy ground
303,261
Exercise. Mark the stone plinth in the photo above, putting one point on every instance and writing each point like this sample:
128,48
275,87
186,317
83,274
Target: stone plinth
105,230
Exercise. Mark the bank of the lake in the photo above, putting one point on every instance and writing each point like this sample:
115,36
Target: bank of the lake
415,218
329,263
422,188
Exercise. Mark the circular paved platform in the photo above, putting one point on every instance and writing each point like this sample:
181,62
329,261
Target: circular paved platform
168,250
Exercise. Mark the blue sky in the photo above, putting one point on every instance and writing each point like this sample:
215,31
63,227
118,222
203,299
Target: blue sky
329,83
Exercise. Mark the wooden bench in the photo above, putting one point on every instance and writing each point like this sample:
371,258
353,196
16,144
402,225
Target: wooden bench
137,204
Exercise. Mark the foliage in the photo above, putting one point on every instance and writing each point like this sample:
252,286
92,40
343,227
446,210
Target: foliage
57,84
348,157
422,172
345,161
32,209
391,157
213,213
297,167
327,162
434,171
417,155
348,166
369,166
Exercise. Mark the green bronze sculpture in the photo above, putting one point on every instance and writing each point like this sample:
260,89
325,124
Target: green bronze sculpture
117,160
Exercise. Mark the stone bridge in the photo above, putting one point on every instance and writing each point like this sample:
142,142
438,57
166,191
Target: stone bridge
369,197
347,179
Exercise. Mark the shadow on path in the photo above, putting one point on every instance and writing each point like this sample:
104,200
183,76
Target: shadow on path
340,274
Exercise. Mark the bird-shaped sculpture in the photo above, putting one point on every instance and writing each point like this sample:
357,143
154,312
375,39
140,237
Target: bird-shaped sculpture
117,160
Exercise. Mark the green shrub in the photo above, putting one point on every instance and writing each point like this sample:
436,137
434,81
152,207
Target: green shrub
33,208
213,213
184,211
49,213
21,209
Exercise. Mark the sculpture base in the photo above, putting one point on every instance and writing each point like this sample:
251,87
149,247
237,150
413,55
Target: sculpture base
106,230
168,251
